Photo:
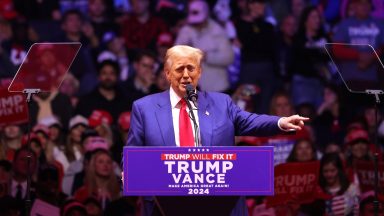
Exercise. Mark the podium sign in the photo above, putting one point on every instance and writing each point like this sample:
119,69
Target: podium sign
202,171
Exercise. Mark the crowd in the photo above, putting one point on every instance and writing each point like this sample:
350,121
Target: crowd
268,54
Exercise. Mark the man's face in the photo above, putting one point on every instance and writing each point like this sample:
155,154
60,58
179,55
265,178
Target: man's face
145,69
107,77
96,8
184,70
72,24
256,9
288,27
363,9
140,7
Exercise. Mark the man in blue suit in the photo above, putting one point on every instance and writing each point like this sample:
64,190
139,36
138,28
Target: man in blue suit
156,120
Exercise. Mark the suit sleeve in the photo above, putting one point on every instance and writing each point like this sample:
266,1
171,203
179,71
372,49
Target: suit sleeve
251,124
136,130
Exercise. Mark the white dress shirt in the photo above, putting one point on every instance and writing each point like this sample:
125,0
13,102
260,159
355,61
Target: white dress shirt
14,188
176,113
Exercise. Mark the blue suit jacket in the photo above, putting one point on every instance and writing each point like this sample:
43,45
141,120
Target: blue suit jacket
220,120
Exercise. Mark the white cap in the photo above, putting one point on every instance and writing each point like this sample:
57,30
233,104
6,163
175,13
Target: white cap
78,119
49,121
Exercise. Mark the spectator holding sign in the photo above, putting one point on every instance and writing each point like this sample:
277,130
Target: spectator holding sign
333,180
10,141
303,151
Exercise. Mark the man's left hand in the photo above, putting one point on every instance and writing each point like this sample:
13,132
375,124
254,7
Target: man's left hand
294,122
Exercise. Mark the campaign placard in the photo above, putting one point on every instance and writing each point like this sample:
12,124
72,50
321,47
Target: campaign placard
203,171
13,108
295,181
366,173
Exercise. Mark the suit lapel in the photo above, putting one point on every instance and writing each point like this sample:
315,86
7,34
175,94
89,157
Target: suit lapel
164,119
205,119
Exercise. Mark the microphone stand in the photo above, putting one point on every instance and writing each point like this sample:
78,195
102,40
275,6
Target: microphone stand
376,203
28,202
195,125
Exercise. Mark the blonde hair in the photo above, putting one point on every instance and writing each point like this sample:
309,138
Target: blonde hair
113,186
182,50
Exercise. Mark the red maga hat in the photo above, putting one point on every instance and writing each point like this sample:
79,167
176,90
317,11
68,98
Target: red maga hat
124,120
357,135
99,117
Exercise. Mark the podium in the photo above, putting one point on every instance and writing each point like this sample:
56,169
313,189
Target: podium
197,180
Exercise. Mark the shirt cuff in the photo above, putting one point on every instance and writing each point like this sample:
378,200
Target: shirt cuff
278,124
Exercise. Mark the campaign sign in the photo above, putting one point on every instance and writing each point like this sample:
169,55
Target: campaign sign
13,108
366,173
182,171
295,181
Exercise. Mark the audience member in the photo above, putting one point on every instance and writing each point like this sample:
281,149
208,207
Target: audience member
20,173
38,9
116,51
5,177
357,64
107,95
101,121
76,30
51,104
73,208
303,151
99,19
47,186
331,120
367,206
7,68
10,141
258,52
70,87
285,38
334,181
75,173
141,28
310,59
206,34
142,82
297,8
100,180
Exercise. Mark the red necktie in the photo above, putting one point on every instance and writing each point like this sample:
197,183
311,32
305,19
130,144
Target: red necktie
185,127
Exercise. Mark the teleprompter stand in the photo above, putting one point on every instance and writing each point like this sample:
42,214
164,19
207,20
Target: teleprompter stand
360,68
42,70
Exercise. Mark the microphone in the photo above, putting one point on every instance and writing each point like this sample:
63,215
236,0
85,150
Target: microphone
191,94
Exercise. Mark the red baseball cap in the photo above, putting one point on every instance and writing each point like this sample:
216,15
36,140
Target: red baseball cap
99,117
124,120
33,137
357,135
41,128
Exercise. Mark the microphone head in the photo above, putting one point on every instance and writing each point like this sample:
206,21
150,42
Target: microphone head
189,88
